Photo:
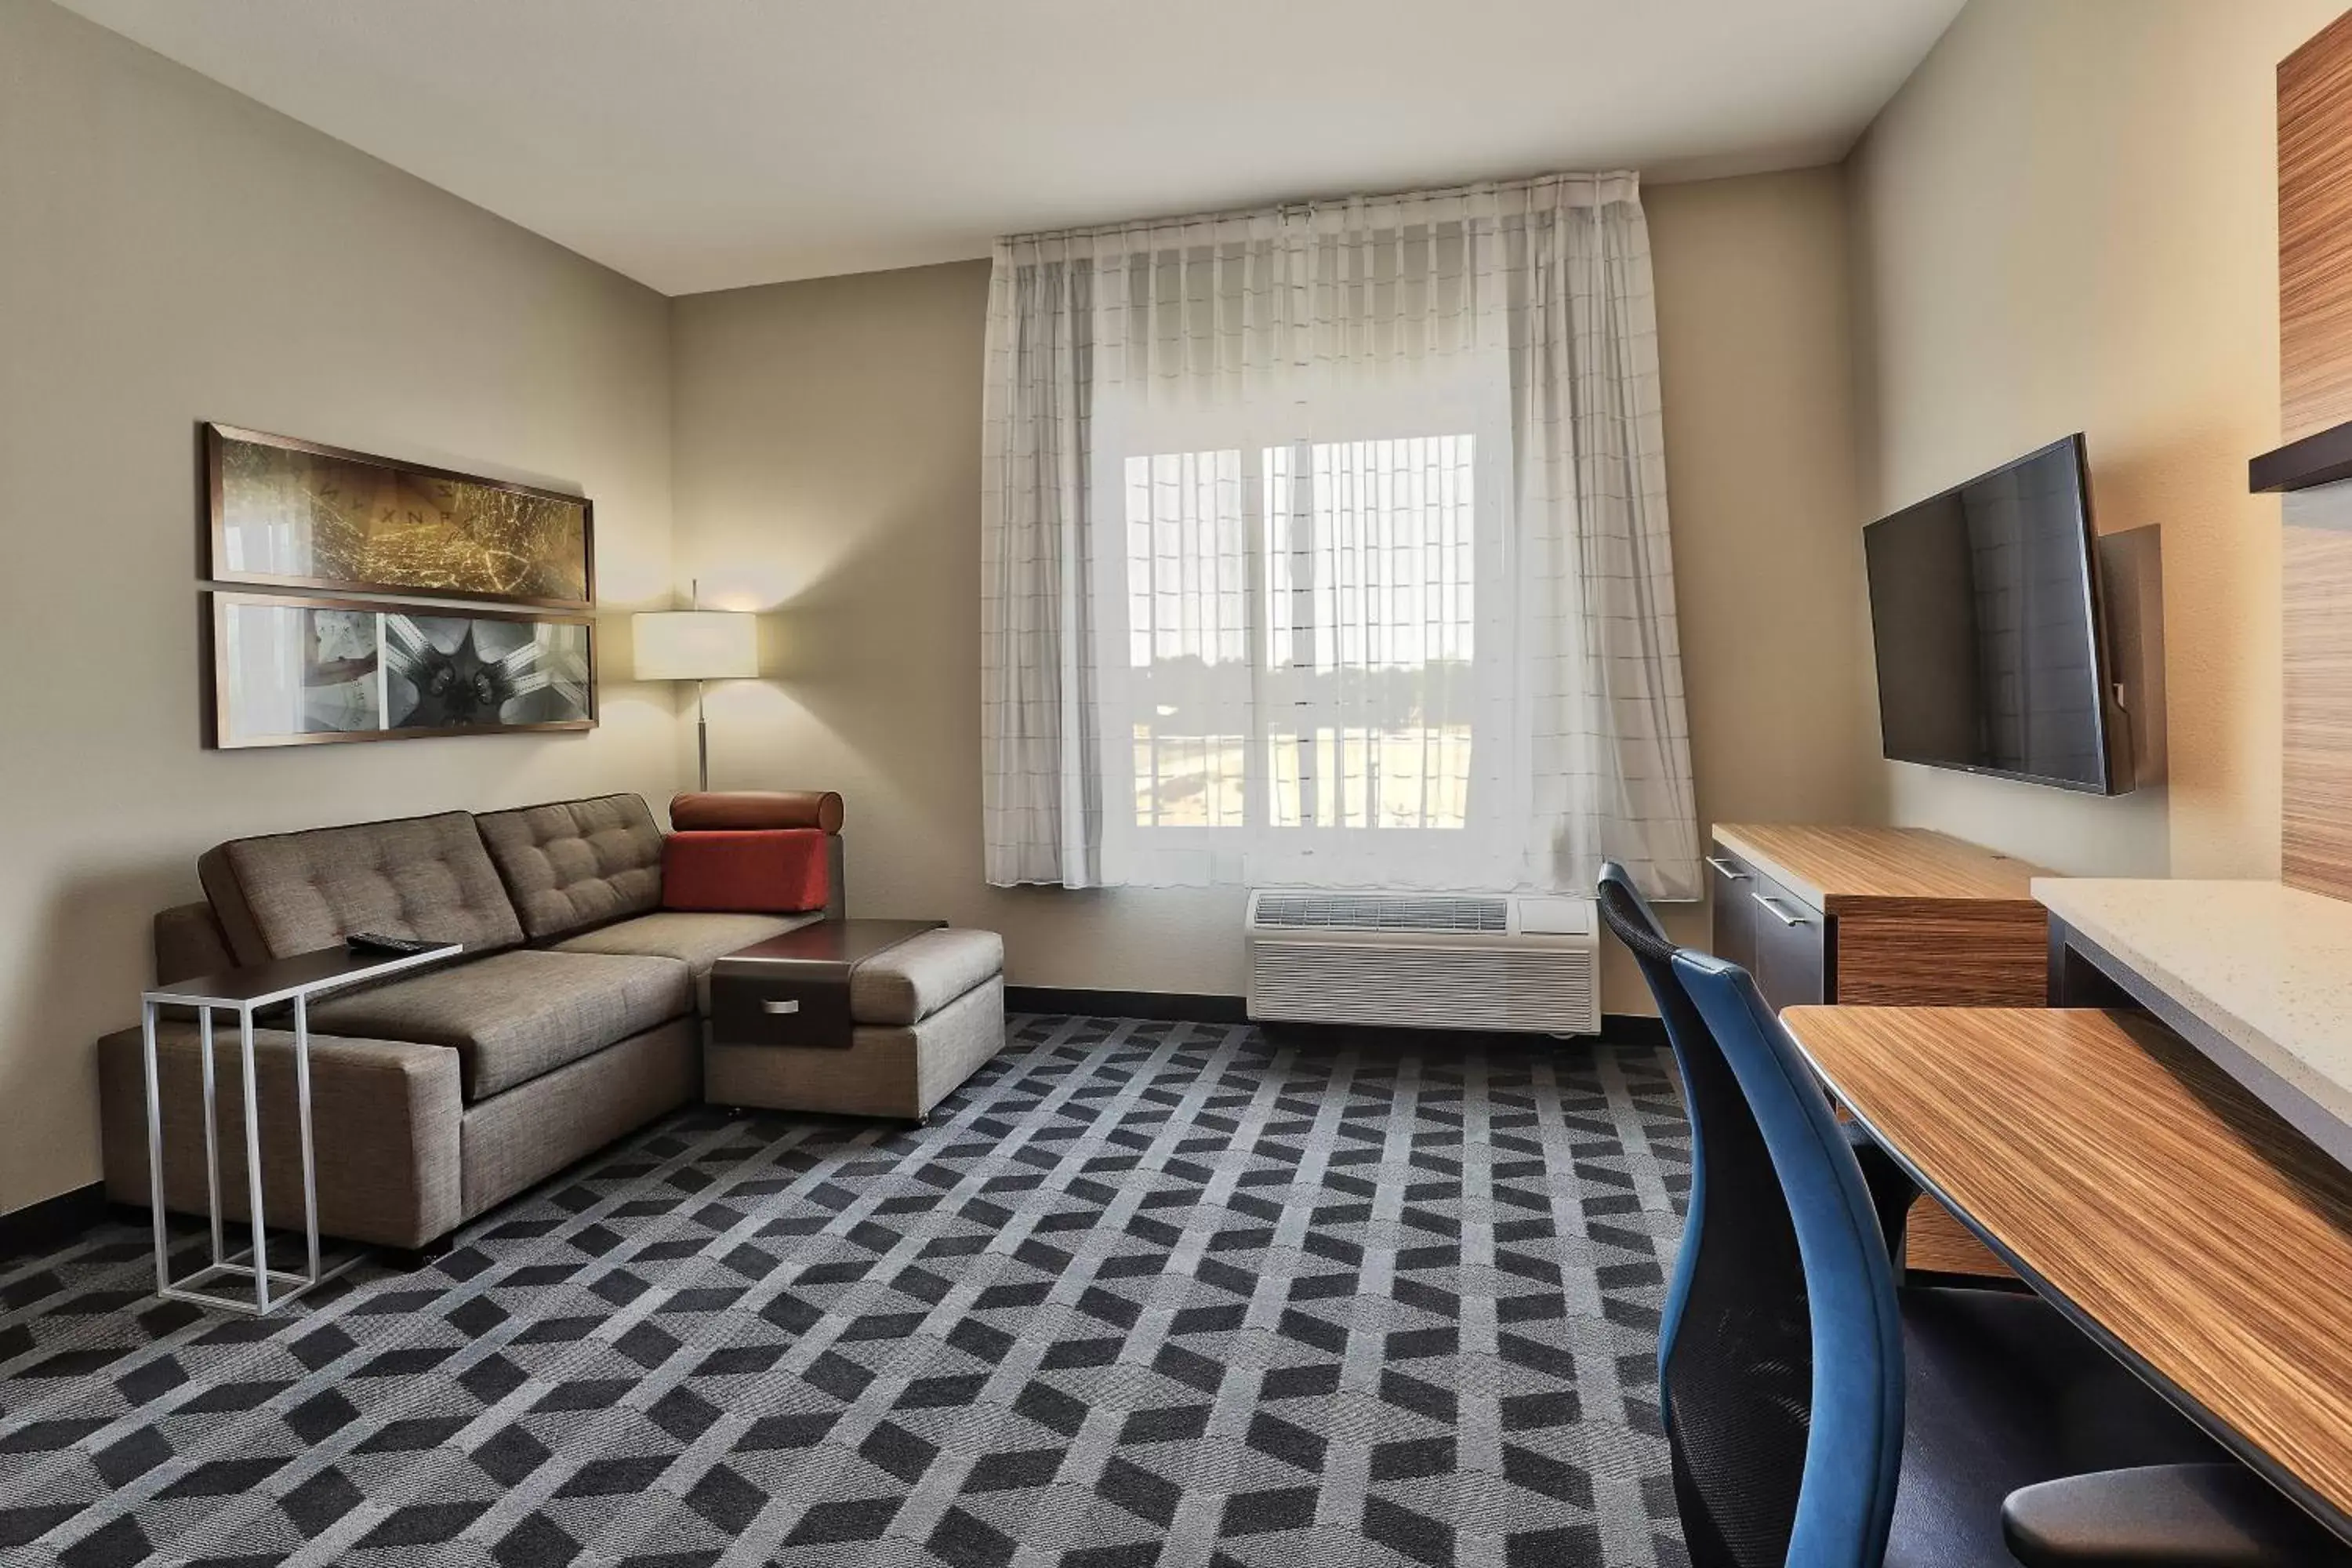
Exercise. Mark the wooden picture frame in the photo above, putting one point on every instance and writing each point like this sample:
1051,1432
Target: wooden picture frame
268,652
419,529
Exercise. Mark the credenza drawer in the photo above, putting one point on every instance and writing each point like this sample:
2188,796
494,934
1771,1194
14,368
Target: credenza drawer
778,1010
1792,937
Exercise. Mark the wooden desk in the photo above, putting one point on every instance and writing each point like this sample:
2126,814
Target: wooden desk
2142,1190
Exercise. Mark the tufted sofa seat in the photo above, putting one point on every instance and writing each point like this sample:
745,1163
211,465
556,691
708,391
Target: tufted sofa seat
572,1018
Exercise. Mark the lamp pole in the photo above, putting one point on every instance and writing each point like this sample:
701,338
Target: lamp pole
701,736
701,720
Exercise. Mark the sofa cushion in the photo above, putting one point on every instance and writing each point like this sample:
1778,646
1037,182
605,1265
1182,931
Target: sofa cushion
289,894
697,941
514,1016
576,863
909,981
748,871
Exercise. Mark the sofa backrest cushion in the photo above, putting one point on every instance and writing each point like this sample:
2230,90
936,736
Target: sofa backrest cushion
577,863
768,871
419,877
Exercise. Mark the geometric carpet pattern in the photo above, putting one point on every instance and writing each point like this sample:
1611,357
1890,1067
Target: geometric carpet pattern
1143,1293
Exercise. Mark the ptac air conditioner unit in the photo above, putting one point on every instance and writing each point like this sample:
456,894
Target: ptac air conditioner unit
1430,961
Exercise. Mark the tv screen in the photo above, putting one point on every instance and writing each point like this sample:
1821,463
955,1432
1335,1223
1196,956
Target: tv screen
1984,608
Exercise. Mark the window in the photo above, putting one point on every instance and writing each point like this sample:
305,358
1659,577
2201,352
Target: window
1301,637
1326,544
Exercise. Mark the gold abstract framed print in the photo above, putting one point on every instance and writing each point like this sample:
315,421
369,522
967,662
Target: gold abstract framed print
296,515
290,671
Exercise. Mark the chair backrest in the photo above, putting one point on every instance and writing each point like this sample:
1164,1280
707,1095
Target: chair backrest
1735,1354
1777,1352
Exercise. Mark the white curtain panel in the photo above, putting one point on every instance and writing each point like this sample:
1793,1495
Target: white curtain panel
1326,546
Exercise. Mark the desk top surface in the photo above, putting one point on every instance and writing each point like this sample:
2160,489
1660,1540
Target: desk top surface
2266,966
2144,1185
1829,866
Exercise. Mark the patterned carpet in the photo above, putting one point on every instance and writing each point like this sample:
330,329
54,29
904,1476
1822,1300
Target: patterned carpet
1143,1293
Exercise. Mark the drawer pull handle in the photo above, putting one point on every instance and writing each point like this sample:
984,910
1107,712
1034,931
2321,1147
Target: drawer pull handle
1726,869
1781,911
778,1007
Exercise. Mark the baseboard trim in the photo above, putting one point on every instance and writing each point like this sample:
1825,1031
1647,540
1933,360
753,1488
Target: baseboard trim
1159,1007
1186,1007
44,1225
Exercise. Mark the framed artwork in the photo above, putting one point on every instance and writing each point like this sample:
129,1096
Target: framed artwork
294,514
300,672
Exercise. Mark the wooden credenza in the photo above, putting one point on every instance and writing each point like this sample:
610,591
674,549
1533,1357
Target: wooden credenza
1895,917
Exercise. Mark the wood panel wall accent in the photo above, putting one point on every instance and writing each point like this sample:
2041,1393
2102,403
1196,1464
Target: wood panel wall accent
2315,174
2315,633
2143,1184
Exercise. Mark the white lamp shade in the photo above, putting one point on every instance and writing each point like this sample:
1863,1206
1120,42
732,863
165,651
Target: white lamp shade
696,645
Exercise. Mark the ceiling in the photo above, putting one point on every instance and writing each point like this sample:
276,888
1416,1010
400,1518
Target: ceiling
699,144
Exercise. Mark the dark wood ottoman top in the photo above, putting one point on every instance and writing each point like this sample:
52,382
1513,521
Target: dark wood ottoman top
794,989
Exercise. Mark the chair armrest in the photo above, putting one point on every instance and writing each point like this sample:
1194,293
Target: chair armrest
385,1117
2164,1516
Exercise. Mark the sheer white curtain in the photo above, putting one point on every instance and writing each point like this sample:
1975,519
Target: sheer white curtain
1327,545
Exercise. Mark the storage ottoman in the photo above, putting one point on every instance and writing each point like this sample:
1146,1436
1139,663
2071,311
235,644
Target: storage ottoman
925,1014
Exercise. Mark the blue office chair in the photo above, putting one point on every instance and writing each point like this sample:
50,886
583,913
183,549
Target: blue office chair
1798,1386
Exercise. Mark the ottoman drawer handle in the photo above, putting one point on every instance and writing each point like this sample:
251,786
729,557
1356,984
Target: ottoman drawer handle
778,1005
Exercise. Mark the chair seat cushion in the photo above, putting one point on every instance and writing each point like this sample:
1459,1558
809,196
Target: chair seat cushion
696,940
908,983
2165,1516
2002,1391
514,1016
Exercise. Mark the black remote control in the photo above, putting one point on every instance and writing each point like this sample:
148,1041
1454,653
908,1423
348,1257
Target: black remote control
374,941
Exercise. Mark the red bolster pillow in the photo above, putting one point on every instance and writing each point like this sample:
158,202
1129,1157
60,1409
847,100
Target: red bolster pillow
775,870
697,811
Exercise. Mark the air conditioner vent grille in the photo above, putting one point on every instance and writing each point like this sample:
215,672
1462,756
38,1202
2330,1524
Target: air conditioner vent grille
1552,992
1381,911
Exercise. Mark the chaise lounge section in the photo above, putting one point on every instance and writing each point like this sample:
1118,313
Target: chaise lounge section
573,1018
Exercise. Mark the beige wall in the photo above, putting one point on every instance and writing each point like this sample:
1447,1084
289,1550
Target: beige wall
2067,220
828,461
171,253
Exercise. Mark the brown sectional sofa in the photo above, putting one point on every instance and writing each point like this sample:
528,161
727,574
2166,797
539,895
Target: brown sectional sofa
573,1018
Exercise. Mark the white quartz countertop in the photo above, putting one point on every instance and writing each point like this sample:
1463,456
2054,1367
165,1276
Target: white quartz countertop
2266,967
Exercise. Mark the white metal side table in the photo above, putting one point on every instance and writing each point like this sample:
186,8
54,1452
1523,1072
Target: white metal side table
245,992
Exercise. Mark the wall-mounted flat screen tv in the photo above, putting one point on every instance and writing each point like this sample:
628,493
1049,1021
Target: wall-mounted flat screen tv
1985,614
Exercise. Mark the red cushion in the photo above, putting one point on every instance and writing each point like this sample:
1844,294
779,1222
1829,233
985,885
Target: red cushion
775,870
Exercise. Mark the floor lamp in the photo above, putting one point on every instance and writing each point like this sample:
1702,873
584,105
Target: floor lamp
696,645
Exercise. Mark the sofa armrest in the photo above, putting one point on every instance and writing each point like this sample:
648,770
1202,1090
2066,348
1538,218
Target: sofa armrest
189,942
385,1116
